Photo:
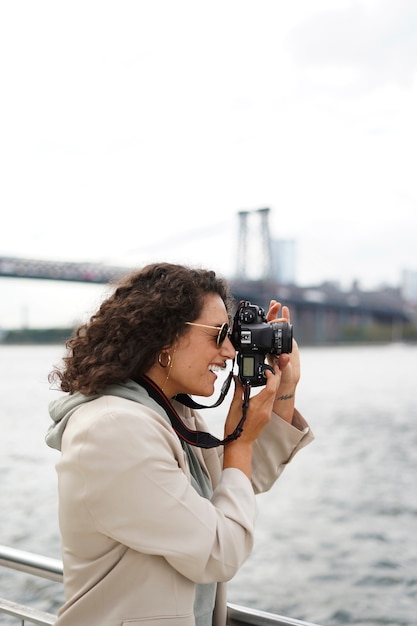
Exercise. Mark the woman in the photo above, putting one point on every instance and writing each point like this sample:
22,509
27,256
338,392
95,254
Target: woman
151,525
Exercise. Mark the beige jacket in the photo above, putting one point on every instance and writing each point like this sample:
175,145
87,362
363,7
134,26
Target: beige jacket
136,535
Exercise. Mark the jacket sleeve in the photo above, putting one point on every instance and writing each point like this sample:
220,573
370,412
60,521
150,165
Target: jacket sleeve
276,447
135,488
272,451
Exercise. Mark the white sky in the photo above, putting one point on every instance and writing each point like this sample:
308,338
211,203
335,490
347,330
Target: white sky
134,131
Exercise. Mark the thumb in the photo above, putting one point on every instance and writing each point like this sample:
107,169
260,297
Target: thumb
235,408
238,392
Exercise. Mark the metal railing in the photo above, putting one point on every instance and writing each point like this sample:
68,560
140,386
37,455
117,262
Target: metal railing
26,614
41,566
51,569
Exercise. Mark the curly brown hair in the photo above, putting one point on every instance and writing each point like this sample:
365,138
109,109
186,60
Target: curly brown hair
144,315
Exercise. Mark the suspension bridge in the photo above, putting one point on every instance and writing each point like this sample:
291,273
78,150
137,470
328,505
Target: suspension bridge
320,314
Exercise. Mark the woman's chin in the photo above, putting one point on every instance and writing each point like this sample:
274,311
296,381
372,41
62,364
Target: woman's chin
204,392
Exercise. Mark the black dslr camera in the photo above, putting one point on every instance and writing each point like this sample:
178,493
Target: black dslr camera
253,337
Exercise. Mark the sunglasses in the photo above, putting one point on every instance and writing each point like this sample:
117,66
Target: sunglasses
224,331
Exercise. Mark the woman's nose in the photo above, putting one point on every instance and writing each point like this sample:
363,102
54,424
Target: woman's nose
228,349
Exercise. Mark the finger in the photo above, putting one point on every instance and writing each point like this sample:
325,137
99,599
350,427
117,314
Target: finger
273,379
274,308
238,391
284,360
286,313
273,359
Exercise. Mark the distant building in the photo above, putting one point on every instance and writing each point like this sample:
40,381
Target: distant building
283,261
409,285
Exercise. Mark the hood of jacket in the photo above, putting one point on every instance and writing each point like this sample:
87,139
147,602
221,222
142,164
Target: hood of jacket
60,410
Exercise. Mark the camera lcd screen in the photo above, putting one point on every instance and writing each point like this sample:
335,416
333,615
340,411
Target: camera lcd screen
248,366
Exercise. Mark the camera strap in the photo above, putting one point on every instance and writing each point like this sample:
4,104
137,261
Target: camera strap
197,438
192,404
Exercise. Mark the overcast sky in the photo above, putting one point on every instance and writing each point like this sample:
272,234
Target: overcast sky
134,131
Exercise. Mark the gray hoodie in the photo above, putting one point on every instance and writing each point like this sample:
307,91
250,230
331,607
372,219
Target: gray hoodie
61,409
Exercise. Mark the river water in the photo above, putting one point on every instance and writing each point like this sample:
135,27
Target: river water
336,539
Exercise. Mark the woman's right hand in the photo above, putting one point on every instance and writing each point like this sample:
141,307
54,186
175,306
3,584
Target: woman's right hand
238,453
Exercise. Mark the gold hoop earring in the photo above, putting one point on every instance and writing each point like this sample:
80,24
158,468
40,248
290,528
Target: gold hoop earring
164,359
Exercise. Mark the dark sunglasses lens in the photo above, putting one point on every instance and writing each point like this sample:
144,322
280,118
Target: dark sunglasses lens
223,332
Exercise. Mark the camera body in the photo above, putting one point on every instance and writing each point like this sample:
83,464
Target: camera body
253,338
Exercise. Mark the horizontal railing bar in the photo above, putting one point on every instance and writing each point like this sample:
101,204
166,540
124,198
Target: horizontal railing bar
29,563
241,615
34,616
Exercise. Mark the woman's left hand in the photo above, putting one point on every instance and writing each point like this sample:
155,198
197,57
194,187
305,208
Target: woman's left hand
289,364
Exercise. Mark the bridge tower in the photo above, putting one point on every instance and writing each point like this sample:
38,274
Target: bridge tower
260,249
